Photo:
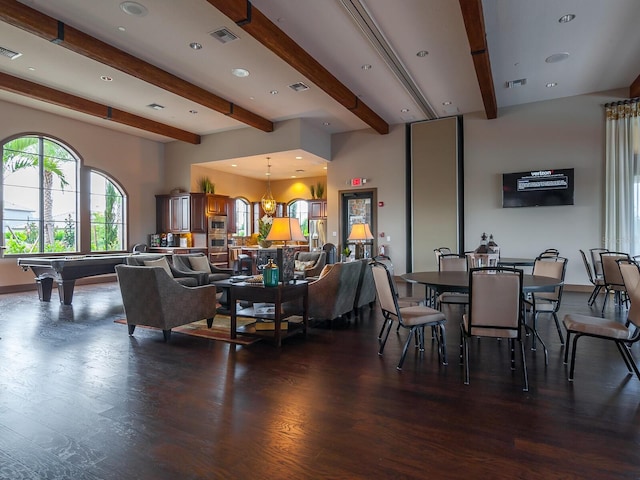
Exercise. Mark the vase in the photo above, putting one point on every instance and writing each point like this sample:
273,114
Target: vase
264,243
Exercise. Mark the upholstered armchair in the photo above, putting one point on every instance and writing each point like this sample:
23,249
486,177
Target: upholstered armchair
309,264
198,263
152,298
145,260
334,293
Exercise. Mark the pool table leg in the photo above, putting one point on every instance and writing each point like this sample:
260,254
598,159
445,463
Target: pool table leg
45,285
65,291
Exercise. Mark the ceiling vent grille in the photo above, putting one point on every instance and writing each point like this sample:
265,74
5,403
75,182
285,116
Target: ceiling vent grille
5,52
516,83
224,35
299,87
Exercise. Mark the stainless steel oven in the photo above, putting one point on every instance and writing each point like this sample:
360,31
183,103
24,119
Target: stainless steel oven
217,234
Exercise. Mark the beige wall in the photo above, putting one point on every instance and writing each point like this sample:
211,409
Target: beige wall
137,164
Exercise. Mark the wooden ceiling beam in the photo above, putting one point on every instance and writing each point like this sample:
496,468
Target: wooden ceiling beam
36,91
256,24
634,89
474,24
32,21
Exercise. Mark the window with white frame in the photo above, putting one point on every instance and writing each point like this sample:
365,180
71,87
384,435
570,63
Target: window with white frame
243,217
300,209
107,214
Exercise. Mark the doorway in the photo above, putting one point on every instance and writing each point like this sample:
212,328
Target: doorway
357,206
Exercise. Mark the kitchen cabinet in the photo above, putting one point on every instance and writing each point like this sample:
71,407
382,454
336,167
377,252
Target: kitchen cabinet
317,209
231,215
187,212
217,204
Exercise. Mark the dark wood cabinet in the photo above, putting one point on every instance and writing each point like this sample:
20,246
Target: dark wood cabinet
317,209
187,212
231,215
217,204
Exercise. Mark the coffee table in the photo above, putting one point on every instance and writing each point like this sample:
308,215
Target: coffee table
283,293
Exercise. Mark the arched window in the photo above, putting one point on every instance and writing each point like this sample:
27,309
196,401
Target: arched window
107,214
300,209
40,196
41,203
243,217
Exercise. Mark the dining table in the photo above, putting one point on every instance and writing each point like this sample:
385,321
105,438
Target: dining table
459,281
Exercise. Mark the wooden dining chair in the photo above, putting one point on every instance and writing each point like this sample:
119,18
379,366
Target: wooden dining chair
495,310
414,318
597,327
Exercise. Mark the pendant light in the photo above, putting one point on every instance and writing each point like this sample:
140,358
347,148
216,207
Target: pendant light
268,202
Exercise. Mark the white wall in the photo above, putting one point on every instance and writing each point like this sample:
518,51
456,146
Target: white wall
564,133
137,164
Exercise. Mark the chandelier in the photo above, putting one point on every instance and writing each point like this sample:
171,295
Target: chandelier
268,202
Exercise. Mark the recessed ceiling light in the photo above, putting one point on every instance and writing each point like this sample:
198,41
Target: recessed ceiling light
234,164
273,92
366,66
105,78
551,84
195,46
404,110
133,8
298,158
326,124
240,72
32,69
155,106
122,29
422,53
324,167
557,57
446,103
566,18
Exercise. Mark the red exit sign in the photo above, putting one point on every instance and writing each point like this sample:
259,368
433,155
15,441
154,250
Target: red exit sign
357,182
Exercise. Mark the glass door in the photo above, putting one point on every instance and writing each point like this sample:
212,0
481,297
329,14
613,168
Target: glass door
357,207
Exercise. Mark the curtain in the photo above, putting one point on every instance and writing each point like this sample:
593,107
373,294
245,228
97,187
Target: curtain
622,173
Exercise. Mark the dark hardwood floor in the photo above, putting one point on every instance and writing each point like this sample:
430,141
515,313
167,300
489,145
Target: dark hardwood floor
80,399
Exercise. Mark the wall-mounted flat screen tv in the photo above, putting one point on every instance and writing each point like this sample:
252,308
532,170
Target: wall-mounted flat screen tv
538,188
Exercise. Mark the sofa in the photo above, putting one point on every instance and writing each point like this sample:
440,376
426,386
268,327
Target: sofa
152,298
149,260
309,264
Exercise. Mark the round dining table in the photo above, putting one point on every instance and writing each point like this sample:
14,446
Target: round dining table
459,281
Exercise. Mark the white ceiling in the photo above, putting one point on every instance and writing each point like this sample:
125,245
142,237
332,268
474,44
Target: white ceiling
603,43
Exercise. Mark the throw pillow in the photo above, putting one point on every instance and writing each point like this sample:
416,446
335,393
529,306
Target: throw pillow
303,265
161,262
200,264
327,268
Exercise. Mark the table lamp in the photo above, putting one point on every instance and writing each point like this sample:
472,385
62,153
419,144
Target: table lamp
285,229
360,233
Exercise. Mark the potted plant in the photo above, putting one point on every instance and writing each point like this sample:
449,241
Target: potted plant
312,189
206,185
346,253
264,225
320,190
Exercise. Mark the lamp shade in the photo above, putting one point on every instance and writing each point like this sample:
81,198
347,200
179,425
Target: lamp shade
284,229
360,232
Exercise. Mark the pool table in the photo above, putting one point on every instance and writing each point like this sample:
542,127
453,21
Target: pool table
65,270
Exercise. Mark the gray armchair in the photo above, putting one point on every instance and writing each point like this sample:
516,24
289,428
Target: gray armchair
146,260
319,259
198,263
152,298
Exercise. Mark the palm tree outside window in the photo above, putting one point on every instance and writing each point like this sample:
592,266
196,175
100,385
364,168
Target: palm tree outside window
39,192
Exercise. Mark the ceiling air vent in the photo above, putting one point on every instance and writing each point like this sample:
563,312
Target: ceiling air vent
516,83
223,35
299,87
5,52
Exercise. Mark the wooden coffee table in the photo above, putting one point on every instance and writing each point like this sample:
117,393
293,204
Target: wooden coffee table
255,293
